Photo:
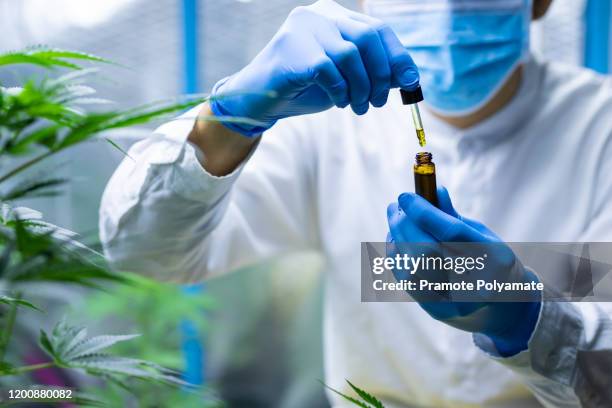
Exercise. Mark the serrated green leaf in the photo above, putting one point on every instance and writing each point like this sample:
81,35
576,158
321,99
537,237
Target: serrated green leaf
95,344
49,254
73,77
31,189
347,397
90,101
370,399
42,118
140,116
48,57
5,258
9,301
116,146
85,354
45,136
113,366
60,53
79,336
45,344
22,58
85,129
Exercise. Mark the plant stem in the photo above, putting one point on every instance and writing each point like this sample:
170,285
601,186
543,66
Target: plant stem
26,165
8,328
28,368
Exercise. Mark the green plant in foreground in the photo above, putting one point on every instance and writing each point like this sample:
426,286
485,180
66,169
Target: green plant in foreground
37,121
70,347
155,310
365,400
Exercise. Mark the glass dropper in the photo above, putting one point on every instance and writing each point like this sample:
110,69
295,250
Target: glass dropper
412,98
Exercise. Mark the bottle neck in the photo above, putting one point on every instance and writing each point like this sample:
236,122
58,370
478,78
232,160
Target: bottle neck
424,158
424,164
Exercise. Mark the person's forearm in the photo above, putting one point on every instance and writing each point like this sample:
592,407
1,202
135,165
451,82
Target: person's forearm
223,148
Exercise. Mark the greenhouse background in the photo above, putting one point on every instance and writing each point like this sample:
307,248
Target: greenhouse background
258,342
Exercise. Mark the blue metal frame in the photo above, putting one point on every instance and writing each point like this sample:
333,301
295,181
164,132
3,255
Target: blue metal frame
597,35
191,46
193,349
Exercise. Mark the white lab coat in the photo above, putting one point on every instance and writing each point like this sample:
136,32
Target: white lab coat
539,170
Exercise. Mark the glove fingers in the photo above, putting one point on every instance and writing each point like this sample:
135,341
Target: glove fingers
442,226
404,72
373,55
408,238
348,60
330,80
403,230
445,203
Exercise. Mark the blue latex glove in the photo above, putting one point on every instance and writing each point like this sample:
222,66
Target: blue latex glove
508,324
324,55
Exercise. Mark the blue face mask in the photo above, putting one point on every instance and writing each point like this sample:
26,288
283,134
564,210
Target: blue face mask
465,49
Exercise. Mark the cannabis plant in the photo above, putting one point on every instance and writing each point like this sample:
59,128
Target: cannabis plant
38,120
157,311
363,399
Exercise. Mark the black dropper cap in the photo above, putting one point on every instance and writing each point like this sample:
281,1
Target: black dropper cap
412,97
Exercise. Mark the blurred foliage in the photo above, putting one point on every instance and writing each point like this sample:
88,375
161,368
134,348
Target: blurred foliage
116,396
45,117
155,310
37,121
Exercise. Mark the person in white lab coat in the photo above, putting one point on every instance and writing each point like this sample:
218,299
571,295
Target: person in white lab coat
520,144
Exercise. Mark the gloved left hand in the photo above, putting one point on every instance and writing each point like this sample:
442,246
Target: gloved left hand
508,324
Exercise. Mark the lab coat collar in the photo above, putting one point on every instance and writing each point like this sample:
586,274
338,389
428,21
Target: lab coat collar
503,124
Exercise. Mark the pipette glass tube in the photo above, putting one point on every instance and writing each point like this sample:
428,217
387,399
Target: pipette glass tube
418,124
412,98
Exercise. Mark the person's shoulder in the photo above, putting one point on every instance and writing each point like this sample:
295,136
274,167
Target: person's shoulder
577,83
580,101
579,93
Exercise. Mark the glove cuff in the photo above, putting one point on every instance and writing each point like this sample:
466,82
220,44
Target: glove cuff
220,112
519,340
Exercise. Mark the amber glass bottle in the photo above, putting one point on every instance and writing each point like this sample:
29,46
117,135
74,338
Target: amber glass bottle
425,178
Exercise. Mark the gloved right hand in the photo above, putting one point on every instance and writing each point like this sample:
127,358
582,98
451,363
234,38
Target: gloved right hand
324,55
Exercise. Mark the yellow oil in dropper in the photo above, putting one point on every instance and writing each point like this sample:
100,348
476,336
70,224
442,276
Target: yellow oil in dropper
418,124
412,98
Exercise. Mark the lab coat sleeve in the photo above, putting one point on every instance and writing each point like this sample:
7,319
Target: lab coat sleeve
164,216
568,362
